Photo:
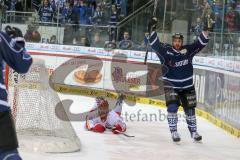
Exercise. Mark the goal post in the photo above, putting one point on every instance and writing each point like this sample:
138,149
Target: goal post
33,104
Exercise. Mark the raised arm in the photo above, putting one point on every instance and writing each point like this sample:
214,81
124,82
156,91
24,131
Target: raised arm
14,53
199,44
153,38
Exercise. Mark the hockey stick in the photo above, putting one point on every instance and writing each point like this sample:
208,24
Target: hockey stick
122,133
154,15
146,55
126,135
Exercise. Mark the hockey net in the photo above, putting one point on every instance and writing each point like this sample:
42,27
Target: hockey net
33,106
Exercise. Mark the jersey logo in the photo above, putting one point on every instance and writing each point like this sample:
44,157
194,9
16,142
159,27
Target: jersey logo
181,63
183,51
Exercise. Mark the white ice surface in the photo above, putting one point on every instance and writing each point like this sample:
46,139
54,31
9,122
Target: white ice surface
151,142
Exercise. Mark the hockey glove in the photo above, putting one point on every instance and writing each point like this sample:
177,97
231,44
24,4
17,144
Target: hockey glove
16,34
117,129
152,25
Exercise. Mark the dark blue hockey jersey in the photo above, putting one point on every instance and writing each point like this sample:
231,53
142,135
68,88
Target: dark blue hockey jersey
46,14
179,73
17,58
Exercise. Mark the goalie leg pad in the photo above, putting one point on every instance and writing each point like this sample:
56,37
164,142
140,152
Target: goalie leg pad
8,136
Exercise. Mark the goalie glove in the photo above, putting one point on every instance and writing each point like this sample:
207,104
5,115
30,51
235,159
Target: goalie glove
16,34
152,25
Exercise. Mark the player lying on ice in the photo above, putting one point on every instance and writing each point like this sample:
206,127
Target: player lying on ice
178,79
105,119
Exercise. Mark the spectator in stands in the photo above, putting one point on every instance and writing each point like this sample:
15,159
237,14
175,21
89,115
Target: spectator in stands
46,12
113,22
53,4
3,9
98,16
124,8
91,8
83,11
58,7
84,41
118,5
53,39
36,4
80,40
197,28
11,5
208,16
14,5
32,35
121,7
105,7
75,40
198,7
232,19
72,13
126,42
217,10
114,16
97,42
144,43
69,33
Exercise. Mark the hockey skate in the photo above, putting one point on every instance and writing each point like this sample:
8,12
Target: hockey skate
176,137
196,136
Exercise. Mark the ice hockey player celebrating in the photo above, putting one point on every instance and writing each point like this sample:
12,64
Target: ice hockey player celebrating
178,79
13,52
105,119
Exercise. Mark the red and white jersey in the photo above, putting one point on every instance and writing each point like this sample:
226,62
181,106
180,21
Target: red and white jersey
113,118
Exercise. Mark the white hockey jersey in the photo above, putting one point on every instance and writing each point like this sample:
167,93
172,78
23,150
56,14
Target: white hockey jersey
113,118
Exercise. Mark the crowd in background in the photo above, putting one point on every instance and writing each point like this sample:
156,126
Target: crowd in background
74,11
71,14
78,16
218,14
221,17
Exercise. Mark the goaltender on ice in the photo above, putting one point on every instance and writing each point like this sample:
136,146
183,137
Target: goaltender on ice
102,118
12,52
178,79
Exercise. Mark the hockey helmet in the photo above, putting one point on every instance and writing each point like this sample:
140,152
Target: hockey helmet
177,35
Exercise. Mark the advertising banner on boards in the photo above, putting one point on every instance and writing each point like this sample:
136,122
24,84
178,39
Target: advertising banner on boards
219,94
